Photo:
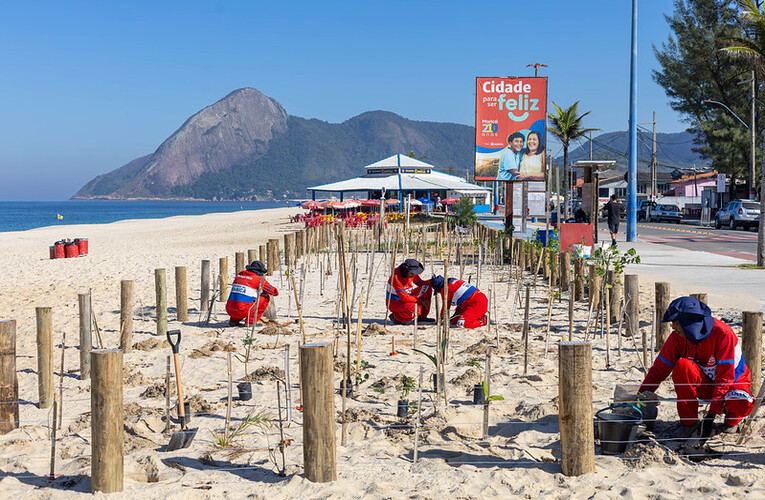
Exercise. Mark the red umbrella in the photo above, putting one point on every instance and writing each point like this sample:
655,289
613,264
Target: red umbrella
311,205
392,202
450,201
370,203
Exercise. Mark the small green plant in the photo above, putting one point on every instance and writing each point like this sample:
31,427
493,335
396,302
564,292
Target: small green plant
474,363
260,420
379,390
465,210
405,386
486,396
361,373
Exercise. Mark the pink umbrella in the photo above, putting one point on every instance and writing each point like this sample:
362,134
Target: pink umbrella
450,201
370,203
392,202
311,205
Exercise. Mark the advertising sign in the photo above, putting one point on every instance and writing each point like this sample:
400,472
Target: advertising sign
510,135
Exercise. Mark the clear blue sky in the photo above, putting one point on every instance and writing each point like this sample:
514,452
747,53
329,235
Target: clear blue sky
87,86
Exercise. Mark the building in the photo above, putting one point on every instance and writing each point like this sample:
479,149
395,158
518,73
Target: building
617,184
399,176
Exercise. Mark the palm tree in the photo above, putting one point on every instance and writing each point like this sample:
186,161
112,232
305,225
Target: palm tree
751,47
566,125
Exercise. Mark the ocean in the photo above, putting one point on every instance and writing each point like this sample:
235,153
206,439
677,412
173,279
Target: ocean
23,215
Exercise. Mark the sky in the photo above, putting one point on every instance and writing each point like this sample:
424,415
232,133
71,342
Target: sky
87,86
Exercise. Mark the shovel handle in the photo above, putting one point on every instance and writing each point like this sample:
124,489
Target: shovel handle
174,345
181,409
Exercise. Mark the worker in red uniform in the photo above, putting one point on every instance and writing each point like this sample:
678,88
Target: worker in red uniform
241,302
704,357
406,294
471,303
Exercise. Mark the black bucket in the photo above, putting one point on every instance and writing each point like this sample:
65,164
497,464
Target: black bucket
437,377
402,409
479,397
346,385
245,391
617,430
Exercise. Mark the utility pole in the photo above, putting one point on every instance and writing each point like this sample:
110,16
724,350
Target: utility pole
536,68
632,163
752,170
653,161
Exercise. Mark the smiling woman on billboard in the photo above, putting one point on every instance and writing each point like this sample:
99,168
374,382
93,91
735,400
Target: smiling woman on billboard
510,128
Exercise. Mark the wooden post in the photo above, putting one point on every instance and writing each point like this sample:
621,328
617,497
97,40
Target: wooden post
273,256
126,315
577,436
594,288
238,263
262,254
571,302
662,299
107,421
615,297
579,278
181,301
9,381
289,250
702,297
565,270
751,345
205,287
160,287
223,275
631,305
86,339
319,453
45,356
252,255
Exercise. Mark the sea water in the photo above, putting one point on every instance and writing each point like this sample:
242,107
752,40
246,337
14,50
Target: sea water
23,215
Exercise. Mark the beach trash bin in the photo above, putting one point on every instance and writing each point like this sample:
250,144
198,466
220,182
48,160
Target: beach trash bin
82,245
72,250
52,251
617,427
544,236
60,249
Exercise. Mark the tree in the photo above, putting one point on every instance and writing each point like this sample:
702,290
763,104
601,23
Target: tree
566,125
465,211
750,47
693,69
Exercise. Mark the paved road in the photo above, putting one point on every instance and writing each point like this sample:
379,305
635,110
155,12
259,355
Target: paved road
740,244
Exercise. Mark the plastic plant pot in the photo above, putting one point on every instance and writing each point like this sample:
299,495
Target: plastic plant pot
348,386
440,379
245,391
479,397
402,409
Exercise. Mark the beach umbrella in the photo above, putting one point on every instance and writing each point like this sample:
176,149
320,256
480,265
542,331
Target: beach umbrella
311,205
392,202
352,204
337,205
425,201
415,203
450,201
370,203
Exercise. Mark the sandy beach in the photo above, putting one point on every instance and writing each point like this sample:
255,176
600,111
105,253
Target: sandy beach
520,458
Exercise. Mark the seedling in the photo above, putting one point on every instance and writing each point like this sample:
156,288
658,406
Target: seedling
361,373
259,419
488,398
405,386
474,363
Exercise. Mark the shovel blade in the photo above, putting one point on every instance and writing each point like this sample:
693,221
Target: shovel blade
181,439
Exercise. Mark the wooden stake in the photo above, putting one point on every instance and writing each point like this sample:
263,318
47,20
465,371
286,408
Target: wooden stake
662,299
238,263
488,389
632,304
61,382
751,345
223,276
52,475
702,297
418,418
252,255
160,284
579,278
228,400
526,331
45,356
9,381
577,437
319,453
106,473
571,302
565,270
126,315
204,302
86,342
358,343
299,310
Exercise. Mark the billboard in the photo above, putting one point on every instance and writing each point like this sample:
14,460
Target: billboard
510,133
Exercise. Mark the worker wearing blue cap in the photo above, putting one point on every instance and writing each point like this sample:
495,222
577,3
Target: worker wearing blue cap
704,357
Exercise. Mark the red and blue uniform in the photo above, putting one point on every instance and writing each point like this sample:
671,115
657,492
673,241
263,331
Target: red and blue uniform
404,294
241,300
471,304
712,370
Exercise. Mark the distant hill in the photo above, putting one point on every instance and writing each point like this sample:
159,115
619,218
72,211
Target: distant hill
246,146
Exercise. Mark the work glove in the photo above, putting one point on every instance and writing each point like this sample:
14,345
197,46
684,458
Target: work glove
706,425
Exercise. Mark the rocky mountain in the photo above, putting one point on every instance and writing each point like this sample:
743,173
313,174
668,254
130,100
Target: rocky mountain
245,146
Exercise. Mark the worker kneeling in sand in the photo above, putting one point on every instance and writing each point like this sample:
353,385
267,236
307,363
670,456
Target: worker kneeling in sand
241,301
407,293
471,303
704,357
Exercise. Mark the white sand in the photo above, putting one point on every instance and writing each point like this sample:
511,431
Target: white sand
520,458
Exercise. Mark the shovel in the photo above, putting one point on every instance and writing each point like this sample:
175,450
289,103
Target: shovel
184,437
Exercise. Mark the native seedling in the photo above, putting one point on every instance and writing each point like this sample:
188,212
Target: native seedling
475,363
488,399
361,374
259,420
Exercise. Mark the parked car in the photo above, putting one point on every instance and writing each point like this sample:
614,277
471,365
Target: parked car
738,213
669,213
644,208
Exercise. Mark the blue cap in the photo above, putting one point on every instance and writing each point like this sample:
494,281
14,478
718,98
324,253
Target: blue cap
694,317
